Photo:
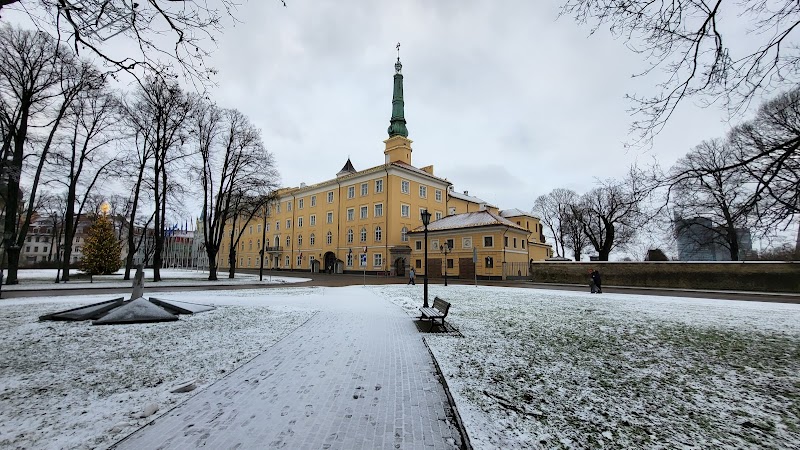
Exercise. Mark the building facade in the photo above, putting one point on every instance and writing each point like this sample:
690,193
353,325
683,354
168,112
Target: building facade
370,220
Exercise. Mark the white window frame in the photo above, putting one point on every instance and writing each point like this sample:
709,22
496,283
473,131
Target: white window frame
351,191
349,260
466,242
378,233
438,195
288,205
423,191
330,197
313,200
405,210
377,260
312,239
329,217
351,214
437,215
363,212
312,220
378,186
363,234
484,242
288,224
300,222
405,187
300,203
378,210
364,189
329,238
404,234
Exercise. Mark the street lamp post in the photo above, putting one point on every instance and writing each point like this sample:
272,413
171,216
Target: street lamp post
445,249
426,219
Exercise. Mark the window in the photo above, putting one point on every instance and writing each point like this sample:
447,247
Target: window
299,240
329,217
330,197
488,241
277,225
423,192
241,261
405,211
505,241
378,186
466,242
45,249
329,238
267,227
350,236
299,222
438,195
418,245
404,234
250,245
364,189
288,223
351,191
36,249
249,262
312,220
379,210
313,200
364,212
489,262
377,260
258,228
450,243
449,263
515,242
351,214
288,241
312,239
258,243
438,215
405,187
349,260
300,260
363,261
289,205
300,204
418,263
523,243
287,261
363,235
277,241
378,234
242,246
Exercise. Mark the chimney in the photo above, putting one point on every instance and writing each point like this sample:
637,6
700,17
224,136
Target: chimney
451,210
302,185
482,207
466,192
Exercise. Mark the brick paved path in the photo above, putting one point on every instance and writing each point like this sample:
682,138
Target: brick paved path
357,375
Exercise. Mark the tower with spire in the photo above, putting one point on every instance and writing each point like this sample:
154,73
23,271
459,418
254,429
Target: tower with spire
398,146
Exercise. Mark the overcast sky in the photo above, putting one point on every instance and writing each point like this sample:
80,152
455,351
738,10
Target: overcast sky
502,98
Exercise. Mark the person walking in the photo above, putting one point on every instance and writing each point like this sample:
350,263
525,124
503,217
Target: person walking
592,286
411,276
596,281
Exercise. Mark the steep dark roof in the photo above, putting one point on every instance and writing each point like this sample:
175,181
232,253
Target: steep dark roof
347,169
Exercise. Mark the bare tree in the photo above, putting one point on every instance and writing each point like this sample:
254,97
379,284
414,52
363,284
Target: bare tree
688,41
611,213
552,209
39,80
723,199
236,173
84,157
572,227
164,33
769,151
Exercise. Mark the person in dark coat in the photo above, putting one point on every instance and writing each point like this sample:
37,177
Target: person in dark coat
411,276
596,281
592,286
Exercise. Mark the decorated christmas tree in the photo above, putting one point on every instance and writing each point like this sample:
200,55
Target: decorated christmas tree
101,253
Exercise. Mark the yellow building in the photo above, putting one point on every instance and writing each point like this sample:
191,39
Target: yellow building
363,220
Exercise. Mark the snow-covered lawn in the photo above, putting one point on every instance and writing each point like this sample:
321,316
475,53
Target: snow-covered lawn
74,385
534,368
556,369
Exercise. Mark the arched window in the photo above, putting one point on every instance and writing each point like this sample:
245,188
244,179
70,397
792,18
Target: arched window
277,241
363,235
329,238
350,236
378,234
404,234
312,239
299,240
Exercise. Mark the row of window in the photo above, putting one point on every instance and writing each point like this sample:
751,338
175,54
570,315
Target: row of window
377,261
466,242
405,188
405,211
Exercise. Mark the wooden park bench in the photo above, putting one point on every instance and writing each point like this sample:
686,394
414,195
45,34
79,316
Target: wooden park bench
439,311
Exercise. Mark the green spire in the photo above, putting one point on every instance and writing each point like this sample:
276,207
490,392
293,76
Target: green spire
398,121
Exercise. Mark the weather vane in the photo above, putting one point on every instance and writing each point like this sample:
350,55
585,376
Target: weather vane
398,51
397,66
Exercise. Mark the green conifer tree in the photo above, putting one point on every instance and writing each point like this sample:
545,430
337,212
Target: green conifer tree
101,253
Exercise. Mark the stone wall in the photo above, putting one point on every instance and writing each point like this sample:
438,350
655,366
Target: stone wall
734,276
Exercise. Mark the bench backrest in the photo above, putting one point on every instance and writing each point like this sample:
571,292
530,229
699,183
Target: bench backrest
441,305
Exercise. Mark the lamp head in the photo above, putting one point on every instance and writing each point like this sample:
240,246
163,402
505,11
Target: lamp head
426,217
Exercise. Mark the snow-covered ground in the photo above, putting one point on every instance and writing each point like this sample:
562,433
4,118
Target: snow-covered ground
556,369
534,368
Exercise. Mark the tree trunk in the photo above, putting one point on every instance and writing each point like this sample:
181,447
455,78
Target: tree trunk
212,264
132,225
12,199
